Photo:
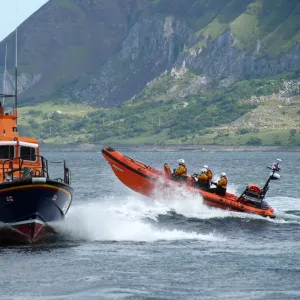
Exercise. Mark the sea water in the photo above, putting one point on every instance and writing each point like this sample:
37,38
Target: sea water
117,244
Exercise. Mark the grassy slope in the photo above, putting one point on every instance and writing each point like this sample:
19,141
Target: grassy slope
272,122
172,122
275,23
72,109
43,121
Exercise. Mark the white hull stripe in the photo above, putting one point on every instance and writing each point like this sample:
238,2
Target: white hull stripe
25,223
117,168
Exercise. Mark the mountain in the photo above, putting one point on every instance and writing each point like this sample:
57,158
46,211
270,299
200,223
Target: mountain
106,52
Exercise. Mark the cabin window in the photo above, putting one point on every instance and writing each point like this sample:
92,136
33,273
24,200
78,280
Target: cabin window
27,153
7,152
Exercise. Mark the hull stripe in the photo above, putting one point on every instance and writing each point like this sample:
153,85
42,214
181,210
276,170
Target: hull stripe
26,222
45,186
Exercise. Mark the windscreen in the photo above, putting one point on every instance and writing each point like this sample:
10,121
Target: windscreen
28,153
7,152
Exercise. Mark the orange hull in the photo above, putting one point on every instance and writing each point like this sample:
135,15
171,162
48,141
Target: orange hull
147,181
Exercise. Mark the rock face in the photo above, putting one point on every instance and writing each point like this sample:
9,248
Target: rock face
25,81
105,52
151,46
220,59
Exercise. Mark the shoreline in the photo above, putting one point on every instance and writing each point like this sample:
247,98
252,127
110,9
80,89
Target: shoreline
168,148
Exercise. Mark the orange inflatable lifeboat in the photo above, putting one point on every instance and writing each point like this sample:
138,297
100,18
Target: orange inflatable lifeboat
147,180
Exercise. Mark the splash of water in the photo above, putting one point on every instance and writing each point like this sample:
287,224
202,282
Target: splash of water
127,219
191,205
188,203
123,220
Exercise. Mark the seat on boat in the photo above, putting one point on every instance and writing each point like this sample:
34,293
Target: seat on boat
180,178
167,170
203,185
190,181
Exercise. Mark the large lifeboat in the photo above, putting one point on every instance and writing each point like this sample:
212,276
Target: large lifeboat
30,201
147,181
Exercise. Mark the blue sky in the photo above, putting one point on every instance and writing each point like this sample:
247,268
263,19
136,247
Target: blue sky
14,12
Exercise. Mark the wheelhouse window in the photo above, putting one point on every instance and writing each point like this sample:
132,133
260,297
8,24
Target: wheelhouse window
7,152
28,153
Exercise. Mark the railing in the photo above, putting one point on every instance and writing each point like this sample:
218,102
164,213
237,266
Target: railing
67,173
20,169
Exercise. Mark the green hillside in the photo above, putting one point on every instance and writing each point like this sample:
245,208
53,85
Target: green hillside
160,72
274,23
250,112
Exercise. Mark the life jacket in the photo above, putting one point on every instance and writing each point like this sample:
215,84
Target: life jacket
203,177
181,170
222,182
209,174
167,170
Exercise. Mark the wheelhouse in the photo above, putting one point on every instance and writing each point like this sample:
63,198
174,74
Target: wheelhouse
18,149
18,157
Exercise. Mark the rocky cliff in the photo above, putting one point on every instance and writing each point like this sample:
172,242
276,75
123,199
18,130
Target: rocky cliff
106,52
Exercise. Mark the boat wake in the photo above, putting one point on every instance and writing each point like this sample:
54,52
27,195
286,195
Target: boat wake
140,219
288,217
287,209
130,219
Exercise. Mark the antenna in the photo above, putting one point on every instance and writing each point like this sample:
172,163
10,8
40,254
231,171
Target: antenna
16,73
4,75
15,95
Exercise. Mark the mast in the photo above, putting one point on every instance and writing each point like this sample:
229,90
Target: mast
4,75
16,74
13,95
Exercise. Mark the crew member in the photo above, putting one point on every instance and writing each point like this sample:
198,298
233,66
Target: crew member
209,173
203,179
181,172
221,186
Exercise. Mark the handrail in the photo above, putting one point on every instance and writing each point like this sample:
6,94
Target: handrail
14,169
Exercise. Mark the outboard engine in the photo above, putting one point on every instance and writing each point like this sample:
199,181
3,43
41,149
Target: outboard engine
255,195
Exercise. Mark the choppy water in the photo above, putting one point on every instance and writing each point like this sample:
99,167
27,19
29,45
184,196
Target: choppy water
116,244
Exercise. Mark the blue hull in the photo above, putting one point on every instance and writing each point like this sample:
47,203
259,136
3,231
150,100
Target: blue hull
27,207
